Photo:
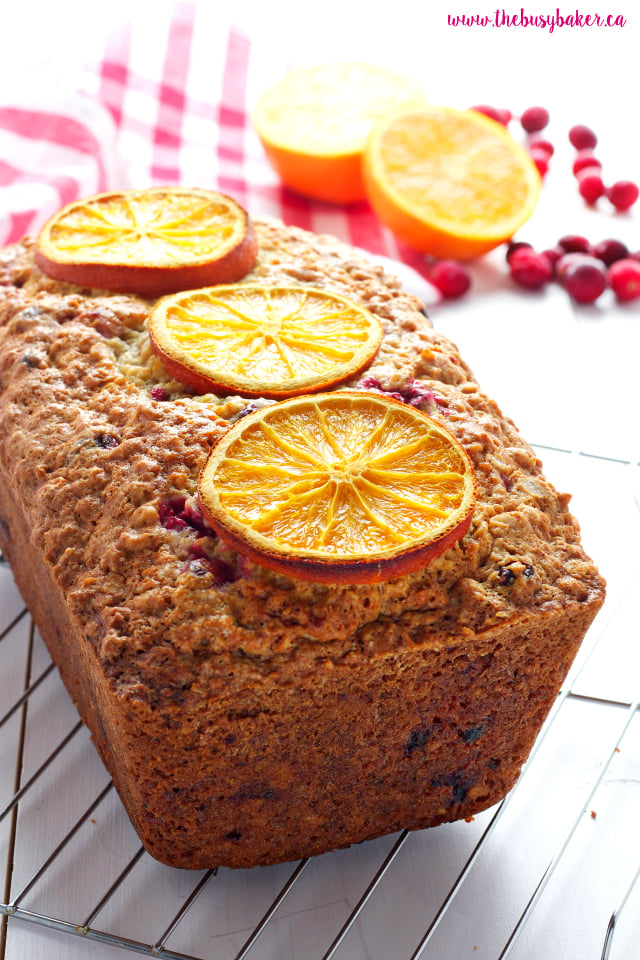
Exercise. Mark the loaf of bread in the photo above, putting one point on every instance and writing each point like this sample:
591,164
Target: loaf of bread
248,717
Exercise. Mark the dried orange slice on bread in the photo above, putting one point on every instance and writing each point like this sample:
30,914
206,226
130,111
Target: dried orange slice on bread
148,242
342,487
262,341
451,183
313,124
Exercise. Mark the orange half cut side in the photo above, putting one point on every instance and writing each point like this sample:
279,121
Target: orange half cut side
342,487
263,341
148,242
314,122
450,183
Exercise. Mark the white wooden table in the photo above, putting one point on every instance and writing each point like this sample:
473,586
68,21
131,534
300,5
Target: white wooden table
538,877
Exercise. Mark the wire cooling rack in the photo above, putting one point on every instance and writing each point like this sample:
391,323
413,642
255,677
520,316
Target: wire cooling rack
550,872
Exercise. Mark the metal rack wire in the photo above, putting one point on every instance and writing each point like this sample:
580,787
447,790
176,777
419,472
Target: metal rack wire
91,927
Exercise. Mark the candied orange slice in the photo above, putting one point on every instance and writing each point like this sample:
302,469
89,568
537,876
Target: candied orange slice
148,242
347,486
314,123
451,183
262,341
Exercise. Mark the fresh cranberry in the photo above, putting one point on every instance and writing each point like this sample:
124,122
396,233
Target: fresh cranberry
565,261
530,269
583,277
534,119
539,143
624,277
553,254
590,184
499,114
541,160
584,158
451,278
516,245
610,250
623,194
574,243
582,138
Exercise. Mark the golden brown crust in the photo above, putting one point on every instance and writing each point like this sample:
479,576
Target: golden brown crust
209,682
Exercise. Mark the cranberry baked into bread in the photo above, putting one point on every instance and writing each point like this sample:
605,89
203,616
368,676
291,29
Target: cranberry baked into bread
248,717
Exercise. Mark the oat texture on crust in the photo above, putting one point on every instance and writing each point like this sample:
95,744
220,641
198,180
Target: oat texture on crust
247,717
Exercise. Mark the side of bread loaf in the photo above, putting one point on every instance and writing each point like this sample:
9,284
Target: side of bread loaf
245,716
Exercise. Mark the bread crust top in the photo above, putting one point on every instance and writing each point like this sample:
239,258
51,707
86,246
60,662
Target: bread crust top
103,450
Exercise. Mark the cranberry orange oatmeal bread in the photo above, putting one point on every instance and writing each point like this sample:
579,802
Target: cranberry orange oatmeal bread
247,716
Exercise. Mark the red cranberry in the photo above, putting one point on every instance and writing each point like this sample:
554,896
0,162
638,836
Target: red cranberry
573,243
540,144
451,279
582,138
623,194
530,269
585,158
499,114
159,393
624,277
541,160
553,254
583,277
591,184
534,119
414,392
200,564
169,514
610,250
566,260
516,245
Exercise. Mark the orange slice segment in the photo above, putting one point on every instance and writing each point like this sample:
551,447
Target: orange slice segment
148,242
451,183
314,122
348,487
262,341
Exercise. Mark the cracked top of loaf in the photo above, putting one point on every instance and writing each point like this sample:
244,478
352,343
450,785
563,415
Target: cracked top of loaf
102,451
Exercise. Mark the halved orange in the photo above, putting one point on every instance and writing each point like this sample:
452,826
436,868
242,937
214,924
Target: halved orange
148,242
262,341
314,122
343,487
451,183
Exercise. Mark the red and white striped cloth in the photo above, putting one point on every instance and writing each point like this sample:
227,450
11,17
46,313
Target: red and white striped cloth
168,102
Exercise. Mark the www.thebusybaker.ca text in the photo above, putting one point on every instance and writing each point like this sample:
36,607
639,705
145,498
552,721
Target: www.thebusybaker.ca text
544,21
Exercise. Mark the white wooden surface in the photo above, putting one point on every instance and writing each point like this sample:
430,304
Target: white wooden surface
568,377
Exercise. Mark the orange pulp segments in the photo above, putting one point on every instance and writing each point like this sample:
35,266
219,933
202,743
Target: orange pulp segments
314,123
450,183
342,487
148,242
262,341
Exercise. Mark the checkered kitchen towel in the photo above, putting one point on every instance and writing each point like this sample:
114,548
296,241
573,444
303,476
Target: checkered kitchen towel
167,102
